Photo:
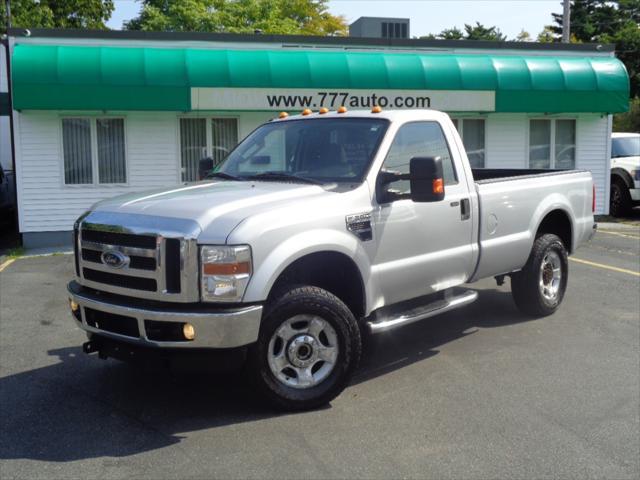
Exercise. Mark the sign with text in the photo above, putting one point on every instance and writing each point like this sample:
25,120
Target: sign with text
355,99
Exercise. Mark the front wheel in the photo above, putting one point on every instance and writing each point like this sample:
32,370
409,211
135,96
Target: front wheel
307,351
620,201
538,289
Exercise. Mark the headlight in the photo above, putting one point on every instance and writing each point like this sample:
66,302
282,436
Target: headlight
224,272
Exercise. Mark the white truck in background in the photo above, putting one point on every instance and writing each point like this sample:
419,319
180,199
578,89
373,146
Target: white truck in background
316,230
625,173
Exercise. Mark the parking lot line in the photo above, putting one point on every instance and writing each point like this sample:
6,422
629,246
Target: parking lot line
618,234
606,267
7,263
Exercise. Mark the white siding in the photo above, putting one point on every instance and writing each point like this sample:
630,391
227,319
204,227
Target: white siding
592,136
506,141
152,154
507,138
46,204
153,160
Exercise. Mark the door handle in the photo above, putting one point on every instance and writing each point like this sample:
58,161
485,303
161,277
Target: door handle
465,209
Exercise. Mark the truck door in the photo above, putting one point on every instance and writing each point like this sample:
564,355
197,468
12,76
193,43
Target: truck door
422,247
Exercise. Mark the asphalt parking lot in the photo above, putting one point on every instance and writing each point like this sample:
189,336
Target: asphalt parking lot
480,392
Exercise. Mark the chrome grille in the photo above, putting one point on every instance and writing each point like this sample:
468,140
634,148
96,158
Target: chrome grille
159,265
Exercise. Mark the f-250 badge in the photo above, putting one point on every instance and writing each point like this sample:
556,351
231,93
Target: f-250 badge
360,225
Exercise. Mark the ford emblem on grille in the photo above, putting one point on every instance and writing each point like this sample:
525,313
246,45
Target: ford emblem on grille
114,259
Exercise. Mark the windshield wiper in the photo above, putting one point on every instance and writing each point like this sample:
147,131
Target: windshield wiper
225,176
284,176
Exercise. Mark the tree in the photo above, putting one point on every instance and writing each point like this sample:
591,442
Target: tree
471,32
480,32
524,36
302,17
606,21
91,14
546,35
628,121
451,34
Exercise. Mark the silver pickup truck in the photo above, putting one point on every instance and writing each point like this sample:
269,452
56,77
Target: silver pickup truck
317,229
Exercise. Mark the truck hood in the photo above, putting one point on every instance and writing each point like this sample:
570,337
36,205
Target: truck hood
628,163
217,207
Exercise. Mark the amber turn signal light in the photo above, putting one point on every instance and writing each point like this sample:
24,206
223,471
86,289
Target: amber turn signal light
438,185
226,268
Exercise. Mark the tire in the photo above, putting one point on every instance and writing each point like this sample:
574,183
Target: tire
308,348
538,289
620,199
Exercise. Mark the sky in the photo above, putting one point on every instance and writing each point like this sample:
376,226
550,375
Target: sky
427,16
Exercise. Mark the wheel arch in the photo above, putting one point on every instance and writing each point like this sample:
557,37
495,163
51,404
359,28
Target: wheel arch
622,175
558,221
321,254
330,270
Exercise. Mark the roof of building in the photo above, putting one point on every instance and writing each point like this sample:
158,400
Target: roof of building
303,40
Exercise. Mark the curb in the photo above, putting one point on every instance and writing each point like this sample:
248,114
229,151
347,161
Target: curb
624,227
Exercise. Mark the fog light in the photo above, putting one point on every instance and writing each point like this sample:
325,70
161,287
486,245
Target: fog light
188,331
74,306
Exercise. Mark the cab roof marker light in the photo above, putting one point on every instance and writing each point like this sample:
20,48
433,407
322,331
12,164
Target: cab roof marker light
306,111
342,109
323,110
283,115
376,109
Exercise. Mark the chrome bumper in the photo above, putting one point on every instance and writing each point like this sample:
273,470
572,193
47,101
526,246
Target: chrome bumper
227,328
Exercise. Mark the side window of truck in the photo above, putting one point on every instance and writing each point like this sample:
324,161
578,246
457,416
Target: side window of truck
419,139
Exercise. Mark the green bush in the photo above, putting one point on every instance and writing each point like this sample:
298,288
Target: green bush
629,121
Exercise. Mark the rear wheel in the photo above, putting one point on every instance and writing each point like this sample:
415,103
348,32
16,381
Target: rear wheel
620,199
538,289
307,351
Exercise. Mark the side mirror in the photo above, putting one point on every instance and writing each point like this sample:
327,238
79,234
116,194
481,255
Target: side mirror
426,179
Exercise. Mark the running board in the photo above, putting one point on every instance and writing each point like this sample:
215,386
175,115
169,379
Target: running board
455,299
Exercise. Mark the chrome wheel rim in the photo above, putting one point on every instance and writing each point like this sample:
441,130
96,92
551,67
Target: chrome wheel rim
303,351
550,275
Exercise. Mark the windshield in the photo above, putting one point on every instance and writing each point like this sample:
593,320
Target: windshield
322,150
625,147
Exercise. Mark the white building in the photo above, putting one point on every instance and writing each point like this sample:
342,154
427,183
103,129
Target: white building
98,114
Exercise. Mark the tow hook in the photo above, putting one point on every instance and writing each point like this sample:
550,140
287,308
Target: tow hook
92,347
499,279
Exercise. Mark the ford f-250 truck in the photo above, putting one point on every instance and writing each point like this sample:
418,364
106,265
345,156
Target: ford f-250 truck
317,229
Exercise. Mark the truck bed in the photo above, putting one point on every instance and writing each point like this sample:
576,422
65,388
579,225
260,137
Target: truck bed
513,202
491,175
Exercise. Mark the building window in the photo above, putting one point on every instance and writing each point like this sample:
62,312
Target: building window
384,29
93,151
552,144
204,143
472,131
111,162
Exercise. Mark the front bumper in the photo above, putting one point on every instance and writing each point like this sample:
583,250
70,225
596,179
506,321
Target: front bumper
214,327
635,193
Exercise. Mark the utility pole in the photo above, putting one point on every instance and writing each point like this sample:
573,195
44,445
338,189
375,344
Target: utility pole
566,21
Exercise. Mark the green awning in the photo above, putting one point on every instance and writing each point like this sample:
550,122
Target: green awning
50,77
